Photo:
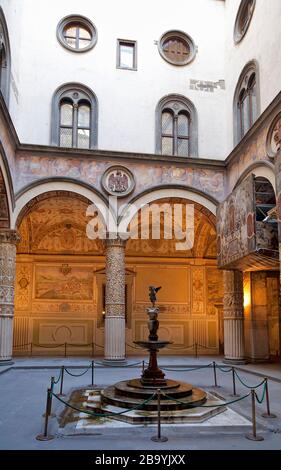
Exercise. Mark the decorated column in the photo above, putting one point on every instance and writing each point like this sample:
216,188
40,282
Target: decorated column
8,241
115,300
233,317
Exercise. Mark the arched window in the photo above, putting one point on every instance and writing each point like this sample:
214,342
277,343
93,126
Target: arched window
74,120
176,127
246,101
5,58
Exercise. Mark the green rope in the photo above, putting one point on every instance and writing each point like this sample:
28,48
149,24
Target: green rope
187,370
49,347
98,415
78,375
133,347
223,369
59,377
263,395
247,386
116,366
206,406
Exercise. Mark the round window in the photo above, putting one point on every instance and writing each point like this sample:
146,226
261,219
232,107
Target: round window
243,19
177,48
77,33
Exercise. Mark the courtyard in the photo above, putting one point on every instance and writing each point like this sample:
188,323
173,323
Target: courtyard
23,397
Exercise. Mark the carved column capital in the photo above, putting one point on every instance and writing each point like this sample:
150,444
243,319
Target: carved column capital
10,237
115,242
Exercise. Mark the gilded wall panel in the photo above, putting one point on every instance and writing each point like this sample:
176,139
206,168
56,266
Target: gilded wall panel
23,286
63,283
198,290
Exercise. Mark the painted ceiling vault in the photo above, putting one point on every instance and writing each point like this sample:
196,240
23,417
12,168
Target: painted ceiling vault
57,225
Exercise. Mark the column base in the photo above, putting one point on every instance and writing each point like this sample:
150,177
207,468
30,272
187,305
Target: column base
7,362
254,360
234,362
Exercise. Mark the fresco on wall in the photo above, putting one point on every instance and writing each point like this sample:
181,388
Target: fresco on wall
236,224
63,282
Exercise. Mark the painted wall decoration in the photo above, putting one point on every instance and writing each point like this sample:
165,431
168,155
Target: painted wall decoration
274,137
118,181
236,224
52,283
31,168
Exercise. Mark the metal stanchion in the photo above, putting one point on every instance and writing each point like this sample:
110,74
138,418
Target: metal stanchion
234,394
65,349
93,368
52,415
159,438
44,436
215,374
61,382
253,436
267,414
93,349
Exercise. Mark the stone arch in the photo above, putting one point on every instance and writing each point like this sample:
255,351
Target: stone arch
156,194
262,169
6,191
70,186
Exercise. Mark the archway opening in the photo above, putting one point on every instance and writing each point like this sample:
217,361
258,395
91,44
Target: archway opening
191,297
56,292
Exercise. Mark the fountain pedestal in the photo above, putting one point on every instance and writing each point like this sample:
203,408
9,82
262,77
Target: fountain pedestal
136,392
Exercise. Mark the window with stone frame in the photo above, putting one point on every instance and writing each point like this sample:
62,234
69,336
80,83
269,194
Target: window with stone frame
175,133
247,103
177,47
74,123
5,58
243,19
126,54
176,127
77,33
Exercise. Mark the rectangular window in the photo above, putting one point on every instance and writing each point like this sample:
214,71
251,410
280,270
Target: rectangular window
126,54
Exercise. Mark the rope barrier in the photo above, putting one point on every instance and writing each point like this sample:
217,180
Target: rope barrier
206,406
21,345
187,370
133,347
58,379
181,348
48,347
118,366
77,375
260,401
247,386
223,369
103,415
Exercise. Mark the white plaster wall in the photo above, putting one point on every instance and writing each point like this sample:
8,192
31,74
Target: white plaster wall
262,43
127,99
13,13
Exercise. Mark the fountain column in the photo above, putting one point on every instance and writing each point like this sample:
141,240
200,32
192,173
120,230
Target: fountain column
115,300
8,241
233,317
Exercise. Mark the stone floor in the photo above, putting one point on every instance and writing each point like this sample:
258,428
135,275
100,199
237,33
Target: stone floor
23,393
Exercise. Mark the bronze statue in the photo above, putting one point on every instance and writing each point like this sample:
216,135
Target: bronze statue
152,294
